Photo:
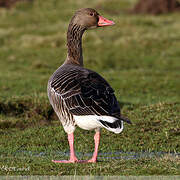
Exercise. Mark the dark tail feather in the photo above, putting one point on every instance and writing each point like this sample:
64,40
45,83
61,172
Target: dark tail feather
125,119
115,124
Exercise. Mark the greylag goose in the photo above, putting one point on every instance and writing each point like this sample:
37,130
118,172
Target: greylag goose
80,96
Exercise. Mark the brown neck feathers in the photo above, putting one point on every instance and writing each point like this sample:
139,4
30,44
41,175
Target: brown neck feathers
74,44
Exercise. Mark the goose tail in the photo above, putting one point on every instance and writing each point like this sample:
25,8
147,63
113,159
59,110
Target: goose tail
111,124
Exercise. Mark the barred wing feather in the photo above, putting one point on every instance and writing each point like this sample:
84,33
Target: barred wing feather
84,92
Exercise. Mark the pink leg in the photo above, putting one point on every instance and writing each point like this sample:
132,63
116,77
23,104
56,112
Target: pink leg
96,140
73,157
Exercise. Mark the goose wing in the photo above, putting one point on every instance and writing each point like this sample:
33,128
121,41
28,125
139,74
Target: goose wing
85,92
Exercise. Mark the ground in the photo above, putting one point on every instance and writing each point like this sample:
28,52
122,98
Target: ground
139,57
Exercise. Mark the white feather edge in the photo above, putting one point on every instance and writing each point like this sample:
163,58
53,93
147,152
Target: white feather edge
90,122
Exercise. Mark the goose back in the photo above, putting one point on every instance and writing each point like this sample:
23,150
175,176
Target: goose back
74,90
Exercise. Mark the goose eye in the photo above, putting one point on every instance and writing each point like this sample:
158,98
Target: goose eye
91,14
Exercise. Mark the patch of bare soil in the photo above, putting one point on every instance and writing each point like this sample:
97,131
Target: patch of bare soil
156,7
10,3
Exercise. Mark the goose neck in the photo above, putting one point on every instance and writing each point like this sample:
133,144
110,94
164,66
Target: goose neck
74,44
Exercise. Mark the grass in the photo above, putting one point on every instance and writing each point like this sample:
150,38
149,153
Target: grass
139,57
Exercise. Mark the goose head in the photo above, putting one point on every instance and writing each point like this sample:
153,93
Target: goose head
89,18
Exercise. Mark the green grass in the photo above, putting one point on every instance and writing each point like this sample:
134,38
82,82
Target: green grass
139,57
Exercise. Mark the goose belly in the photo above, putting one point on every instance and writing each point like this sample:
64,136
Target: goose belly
88,122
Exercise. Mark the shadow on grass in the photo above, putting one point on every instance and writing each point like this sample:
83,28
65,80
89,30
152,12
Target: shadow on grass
102,156
25,113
